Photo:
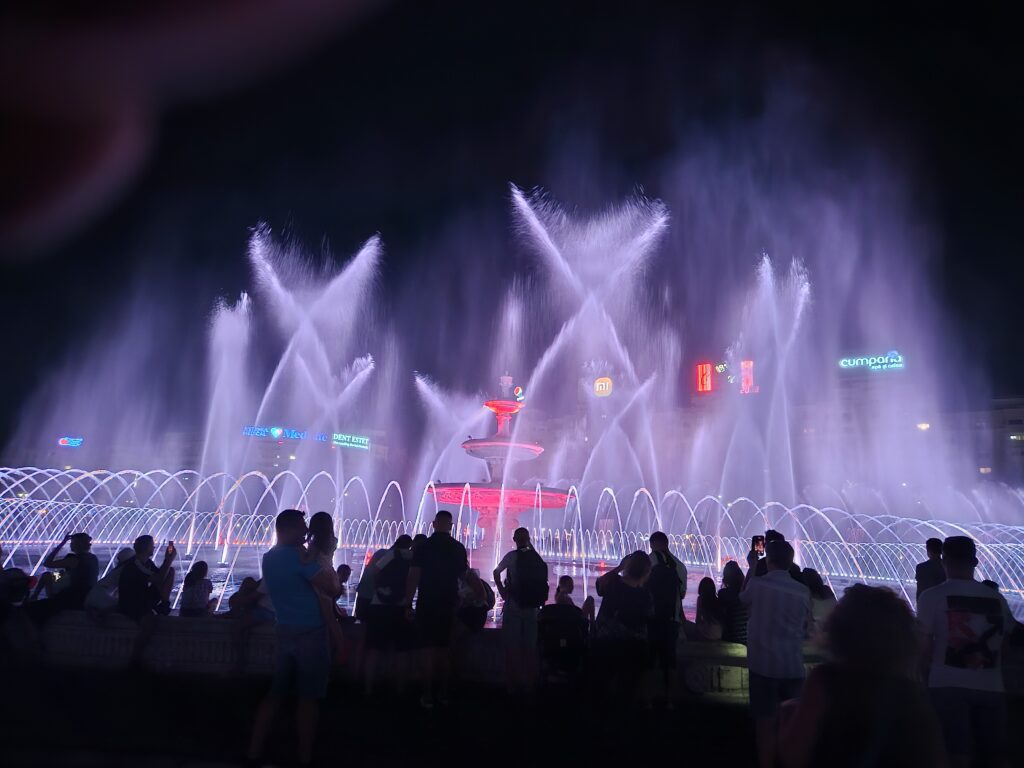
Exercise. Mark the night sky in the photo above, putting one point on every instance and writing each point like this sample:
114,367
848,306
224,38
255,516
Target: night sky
418,114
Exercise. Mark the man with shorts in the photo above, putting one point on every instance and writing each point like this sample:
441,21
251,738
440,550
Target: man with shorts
437,565
966,624
303,657
667,585
524,589
780,612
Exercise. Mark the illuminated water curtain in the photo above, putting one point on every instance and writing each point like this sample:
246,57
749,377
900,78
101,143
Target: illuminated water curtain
222,516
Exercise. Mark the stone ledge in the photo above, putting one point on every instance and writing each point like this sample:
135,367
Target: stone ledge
207,646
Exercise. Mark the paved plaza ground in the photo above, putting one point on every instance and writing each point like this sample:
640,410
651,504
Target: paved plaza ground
84,718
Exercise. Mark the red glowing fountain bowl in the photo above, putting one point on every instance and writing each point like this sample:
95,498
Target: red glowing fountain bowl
489,497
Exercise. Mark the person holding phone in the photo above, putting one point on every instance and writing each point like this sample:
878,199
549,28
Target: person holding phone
143,589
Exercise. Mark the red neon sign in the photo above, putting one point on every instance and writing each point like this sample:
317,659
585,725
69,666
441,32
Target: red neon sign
747,377
704,377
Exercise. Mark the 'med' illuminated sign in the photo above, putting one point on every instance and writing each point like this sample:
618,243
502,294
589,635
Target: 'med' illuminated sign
893,361
338,439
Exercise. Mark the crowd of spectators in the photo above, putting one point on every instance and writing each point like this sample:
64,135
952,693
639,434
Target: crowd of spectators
895,690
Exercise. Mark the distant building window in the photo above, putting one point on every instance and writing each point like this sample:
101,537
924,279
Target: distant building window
1015,422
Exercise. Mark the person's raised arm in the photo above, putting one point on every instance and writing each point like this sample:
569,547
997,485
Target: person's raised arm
747,593
605,579
52,561
170,553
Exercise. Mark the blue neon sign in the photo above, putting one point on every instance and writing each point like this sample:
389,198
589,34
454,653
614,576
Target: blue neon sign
70,442
339,439
892,361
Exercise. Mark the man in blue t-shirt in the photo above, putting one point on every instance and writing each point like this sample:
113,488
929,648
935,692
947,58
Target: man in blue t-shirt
303,658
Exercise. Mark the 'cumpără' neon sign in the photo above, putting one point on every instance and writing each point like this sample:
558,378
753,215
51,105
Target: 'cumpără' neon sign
892,361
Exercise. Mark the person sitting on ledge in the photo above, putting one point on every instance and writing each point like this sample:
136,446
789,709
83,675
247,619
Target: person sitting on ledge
80,569
102,598
144,591
196,591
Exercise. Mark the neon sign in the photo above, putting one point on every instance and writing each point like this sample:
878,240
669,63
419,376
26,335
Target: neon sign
892,361
338,439
70,442
519,394
747,385
704,377
350,441
603,386
275,433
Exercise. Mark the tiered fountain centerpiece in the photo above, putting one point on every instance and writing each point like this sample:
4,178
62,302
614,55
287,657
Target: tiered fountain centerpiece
500,501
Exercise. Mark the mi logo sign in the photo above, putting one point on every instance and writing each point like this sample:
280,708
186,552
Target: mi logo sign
603,386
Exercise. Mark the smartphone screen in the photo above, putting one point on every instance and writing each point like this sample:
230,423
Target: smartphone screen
757,544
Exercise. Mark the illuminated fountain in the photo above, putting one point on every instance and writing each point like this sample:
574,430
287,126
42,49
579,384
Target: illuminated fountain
303,356
498,502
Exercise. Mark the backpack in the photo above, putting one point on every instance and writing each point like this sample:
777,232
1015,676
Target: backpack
529,588
390,582
664,586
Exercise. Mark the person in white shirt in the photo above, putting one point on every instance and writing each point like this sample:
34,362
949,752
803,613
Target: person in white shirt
966,624
780,613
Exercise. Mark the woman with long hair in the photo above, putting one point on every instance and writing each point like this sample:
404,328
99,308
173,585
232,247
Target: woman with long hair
321,545
196,591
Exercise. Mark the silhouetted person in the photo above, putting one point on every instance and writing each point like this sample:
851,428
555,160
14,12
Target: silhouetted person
303,663
476,599
196,591
387,628
524,588
780,612
437,564
967,624
759,566
143,589
344,572
930,573
823,599
734,612
322,544
667,585
248,607
365,588
80,569
622,625
708,621
863,707
563,629
102,598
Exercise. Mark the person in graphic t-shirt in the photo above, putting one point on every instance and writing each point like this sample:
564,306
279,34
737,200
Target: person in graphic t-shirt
966,624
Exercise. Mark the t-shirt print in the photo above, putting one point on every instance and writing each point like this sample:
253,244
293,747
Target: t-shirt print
975,631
